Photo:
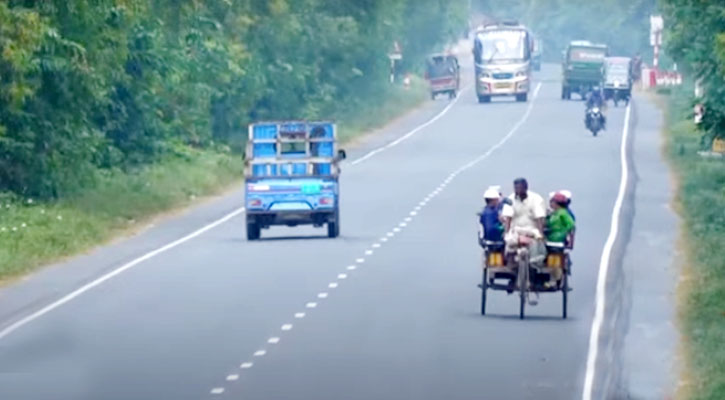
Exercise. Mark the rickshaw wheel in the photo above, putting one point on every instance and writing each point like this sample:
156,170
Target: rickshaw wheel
523,286
564,294
484,288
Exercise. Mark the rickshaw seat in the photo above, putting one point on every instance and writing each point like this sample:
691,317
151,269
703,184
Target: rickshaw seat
494,245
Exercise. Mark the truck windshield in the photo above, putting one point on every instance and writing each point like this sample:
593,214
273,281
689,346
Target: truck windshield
587,55
502,46
617,69
441,68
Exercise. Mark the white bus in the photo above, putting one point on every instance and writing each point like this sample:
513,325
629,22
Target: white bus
502,56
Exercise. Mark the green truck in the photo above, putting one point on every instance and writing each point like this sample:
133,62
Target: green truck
583,67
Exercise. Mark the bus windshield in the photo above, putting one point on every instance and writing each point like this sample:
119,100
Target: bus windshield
502,46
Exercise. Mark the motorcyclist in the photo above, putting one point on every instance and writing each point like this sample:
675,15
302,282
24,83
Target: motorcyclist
595,99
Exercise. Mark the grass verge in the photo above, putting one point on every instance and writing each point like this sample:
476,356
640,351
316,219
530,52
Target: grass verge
701,198
33,233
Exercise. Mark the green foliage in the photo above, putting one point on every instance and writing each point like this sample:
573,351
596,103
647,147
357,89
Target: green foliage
696,38
702,199
622,24
88,86
35,232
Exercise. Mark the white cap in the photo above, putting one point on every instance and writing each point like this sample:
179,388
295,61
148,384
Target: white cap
491,193
566,194
551,195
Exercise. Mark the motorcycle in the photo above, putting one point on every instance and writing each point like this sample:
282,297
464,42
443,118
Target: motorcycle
595,120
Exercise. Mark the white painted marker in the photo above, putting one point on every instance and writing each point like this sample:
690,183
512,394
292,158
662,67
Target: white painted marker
286,327
246,365
218,390
601,293
273,340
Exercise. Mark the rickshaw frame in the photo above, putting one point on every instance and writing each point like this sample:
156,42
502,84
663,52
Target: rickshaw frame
519,269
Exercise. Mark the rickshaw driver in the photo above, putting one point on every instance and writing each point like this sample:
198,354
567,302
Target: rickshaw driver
526,210
525,216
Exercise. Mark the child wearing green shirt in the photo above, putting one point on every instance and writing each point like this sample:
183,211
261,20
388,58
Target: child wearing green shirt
559,223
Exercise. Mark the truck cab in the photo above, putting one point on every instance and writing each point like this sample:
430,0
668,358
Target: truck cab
292,176
582,67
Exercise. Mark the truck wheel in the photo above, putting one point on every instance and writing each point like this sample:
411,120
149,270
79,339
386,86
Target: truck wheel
253,231
333,227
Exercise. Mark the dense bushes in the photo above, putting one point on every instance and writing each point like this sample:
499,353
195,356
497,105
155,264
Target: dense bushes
695,36
92,85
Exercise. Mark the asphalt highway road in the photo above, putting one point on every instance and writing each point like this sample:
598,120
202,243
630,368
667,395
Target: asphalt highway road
390,310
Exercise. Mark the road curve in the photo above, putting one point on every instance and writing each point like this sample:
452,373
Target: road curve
388,311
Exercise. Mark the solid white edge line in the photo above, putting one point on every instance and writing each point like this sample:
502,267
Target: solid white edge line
411,133
604,267
72,295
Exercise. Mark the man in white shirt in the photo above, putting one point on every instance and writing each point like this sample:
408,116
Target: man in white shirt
527,211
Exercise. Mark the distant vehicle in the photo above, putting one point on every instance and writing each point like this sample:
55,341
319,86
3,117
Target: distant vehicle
618,79
594,120
536,54
583,67
502,57
443,75
291,176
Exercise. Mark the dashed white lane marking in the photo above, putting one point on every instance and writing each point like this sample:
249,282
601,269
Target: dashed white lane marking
360,261
385,239
332,285
341,276
368,252
299,315
376,245
218,390
409,134
422,203
323,295
390,234
351,268
402,225
408,219
232,377
396,230
246,365
601,293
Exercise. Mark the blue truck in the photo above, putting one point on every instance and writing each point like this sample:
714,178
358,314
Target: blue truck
292,176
